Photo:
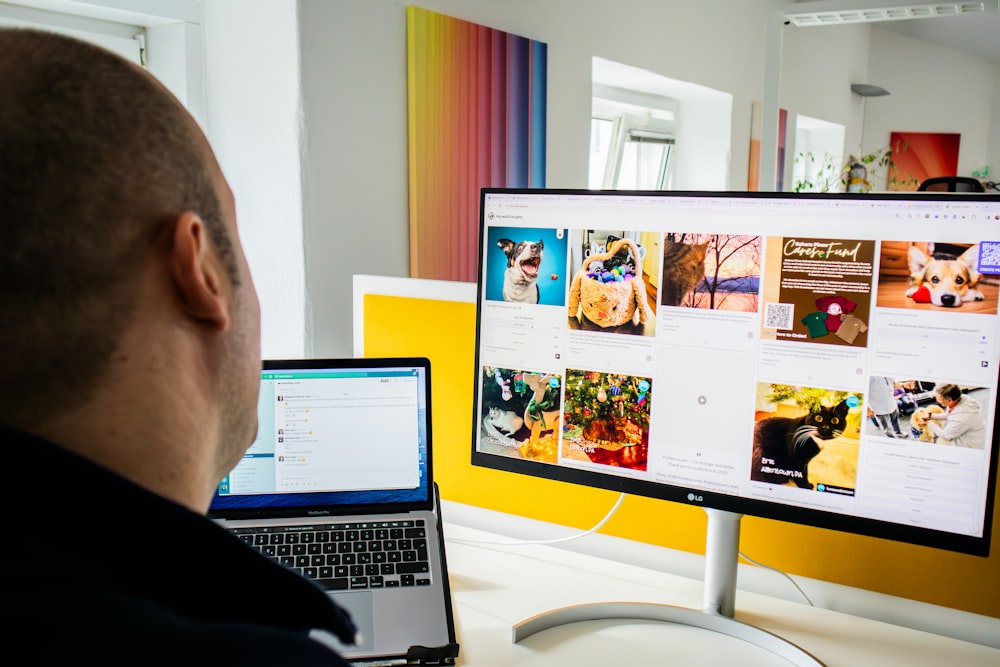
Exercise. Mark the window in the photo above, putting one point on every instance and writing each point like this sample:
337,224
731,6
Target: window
633,120
649,131
124,39
819,155
631,147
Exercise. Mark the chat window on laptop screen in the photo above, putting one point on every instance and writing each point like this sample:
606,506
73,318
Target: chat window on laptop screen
332,431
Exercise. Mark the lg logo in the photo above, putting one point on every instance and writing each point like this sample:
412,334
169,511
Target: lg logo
695,499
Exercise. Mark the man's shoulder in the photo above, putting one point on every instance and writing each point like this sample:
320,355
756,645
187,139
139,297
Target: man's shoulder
111,589
112,628
970,402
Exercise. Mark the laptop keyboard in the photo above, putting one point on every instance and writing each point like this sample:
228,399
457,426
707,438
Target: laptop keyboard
348,556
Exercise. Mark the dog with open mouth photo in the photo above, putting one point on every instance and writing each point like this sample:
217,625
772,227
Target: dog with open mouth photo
942,279
520,280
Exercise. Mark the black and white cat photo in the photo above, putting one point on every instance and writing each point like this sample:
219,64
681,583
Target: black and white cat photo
784,446
501,425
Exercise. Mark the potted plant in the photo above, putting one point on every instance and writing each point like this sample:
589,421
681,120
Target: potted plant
860,171
817,174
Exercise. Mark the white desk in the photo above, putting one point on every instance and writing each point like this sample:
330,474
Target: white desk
494,587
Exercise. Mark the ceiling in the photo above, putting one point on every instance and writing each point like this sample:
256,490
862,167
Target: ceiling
976,34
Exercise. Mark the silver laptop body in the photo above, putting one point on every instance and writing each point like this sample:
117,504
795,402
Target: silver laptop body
339,486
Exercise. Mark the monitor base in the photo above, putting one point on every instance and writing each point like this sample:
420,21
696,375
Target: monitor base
659,612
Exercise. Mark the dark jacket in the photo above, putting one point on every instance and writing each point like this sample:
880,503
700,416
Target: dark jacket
97,570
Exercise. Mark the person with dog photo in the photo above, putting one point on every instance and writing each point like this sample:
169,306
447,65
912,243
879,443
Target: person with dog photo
961,424
882,407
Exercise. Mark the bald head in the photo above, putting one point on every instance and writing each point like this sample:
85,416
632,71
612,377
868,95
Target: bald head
96,159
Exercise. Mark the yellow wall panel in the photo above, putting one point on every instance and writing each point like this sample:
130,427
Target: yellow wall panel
444,331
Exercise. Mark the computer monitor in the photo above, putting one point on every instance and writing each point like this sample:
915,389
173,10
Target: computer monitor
824,359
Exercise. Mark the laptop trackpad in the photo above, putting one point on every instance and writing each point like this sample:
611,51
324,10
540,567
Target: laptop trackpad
359,606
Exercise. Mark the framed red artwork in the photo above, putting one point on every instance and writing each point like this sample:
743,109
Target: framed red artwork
917,156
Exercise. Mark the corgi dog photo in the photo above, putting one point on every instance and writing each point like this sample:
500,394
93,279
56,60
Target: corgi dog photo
520,280
944,280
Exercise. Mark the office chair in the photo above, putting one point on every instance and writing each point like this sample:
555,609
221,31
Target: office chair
952,184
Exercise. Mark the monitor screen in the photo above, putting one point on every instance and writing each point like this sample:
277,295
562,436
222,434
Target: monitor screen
830,360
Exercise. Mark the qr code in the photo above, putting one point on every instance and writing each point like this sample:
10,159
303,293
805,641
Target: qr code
989,257
779,315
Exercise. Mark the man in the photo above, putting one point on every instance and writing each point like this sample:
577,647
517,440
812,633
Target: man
963,420
130,365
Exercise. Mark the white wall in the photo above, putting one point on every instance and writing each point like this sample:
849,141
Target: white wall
354,101
305,104
703,159
355,158
253,122
175,56
818,66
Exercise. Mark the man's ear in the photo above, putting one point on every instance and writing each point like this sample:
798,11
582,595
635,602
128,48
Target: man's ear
198,272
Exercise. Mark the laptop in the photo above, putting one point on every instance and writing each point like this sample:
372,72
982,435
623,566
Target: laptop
338,486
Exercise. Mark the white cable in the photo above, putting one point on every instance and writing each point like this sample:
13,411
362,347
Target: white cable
784,574
607,517
516,543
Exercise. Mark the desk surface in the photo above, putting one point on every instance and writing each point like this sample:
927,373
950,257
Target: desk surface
495,586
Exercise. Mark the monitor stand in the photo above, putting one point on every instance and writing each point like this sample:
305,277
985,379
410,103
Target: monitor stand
721,557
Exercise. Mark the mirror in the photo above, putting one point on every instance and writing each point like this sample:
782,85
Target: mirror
941,72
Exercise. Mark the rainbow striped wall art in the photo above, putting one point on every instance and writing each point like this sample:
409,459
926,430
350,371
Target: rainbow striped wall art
476,118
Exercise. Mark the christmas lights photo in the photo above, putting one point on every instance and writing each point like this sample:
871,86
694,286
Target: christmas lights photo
606,419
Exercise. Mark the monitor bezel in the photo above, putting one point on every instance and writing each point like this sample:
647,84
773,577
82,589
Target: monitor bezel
966,544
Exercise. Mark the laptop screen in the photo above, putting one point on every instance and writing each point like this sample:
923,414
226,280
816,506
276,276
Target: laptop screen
334,436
